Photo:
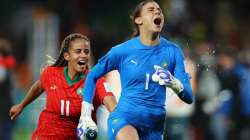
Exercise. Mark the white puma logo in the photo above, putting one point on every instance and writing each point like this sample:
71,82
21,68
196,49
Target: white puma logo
134,62
53,87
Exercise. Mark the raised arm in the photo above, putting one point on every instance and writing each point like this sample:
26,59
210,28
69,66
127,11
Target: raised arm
183,77
178,80
34,92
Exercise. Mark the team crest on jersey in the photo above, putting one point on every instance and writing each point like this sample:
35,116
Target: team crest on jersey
164,64
79,91
54,87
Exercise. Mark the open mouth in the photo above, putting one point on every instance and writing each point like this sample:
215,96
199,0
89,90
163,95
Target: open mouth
82,62
157,21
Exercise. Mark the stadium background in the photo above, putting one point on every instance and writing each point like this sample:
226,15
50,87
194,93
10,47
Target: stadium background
35,28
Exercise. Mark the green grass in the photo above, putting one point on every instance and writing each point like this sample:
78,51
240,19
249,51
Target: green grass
22,134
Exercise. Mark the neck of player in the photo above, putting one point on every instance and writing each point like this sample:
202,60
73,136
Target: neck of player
150,39
72,73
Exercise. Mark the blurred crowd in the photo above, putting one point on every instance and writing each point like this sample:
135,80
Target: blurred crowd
214,35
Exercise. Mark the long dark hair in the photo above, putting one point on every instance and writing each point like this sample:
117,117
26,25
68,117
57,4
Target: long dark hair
60,61
136,13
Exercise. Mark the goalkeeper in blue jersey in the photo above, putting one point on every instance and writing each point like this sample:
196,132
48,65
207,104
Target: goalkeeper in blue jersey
148,64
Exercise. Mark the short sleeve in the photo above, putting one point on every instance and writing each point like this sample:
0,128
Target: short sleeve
102,90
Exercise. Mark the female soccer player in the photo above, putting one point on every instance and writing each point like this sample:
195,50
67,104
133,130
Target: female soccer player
140,111
63,83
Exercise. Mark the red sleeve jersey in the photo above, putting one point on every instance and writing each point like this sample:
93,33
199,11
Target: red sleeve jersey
63,103
101,91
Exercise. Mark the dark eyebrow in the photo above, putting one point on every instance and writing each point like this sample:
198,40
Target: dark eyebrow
149,8
77,49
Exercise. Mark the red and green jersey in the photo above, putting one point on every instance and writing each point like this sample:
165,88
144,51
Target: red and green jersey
63,102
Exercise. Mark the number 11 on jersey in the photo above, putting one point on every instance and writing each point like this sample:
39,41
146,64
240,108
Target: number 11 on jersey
63,102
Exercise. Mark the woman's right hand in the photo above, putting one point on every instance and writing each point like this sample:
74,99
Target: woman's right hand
15,111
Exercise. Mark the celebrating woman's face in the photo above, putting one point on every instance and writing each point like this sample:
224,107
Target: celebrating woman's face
151,17
78,55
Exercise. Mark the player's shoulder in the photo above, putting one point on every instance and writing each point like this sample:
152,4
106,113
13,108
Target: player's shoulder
169,44
123,47
51,70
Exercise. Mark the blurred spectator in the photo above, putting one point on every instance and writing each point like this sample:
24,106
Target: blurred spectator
7,62
234,78
244,54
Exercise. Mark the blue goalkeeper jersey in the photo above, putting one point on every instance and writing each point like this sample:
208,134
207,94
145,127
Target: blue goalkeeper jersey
135,63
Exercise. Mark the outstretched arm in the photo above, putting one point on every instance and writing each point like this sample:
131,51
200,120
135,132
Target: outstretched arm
34,92
178,81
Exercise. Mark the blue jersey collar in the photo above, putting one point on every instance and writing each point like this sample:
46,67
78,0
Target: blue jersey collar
142,46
